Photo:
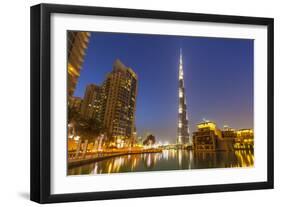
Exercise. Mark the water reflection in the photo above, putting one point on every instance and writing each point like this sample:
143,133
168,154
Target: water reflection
168,160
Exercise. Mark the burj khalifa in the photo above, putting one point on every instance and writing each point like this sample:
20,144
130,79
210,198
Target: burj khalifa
183,122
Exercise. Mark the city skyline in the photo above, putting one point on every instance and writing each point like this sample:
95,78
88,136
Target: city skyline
214,92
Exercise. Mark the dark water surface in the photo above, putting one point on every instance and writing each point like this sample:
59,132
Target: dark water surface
167,160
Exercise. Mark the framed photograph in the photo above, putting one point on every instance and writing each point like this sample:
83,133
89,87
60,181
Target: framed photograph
133,103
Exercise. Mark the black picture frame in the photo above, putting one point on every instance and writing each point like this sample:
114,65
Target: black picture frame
41,96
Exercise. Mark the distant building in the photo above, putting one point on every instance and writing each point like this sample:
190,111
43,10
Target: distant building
229,135
91,107
119,104
139,141
77,43
134,138
228,132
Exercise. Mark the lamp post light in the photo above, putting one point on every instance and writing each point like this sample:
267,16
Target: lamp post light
76,138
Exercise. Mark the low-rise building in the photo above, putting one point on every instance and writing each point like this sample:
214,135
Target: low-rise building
205,138
244,139
209,137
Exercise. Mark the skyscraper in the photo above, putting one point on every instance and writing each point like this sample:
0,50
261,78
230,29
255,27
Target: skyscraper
91,106
77,43
183,128
119,104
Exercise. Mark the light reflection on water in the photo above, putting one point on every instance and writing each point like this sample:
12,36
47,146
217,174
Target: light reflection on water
167,160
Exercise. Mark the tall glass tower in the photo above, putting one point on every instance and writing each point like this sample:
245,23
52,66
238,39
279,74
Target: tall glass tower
183,128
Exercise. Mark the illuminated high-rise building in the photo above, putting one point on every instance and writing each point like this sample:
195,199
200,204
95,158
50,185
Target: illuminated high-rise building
183,125
91,106
119,104
77,43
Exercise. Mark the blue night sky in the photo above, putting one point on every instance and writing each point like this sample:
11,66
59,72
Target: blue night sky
218,75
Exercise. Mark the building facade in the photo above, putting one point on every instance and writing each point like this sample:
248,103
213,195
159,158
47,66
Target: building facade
244,139
183,125
206,136
228,132
91,107
209,137
229,135
119,104
77,43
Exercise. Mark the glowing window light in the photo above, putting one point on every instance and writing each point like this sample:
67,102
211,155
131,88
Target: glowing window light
76,138
180,110
179,139
180,125
180,93
181,74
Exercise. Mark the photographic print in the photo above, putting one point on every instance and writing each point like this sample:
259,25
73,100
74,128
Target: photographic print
123,101
141,102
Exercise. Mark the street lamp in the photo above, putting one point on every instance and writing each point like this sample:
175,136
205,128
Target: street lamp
76,138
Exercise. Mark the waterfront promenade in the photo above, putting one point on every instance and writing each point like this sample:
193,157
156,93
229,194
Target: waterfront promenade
103,155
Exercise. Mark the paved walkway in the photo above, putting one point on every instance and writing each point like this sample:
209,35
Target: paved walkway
99,157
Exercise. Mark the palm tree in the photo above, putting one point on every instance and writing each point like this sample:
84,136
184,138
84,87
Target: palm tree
150,140
72,114
89,129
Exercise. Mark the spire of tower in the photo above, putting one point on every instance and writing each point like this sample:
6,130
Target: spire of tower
180,67
180,55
